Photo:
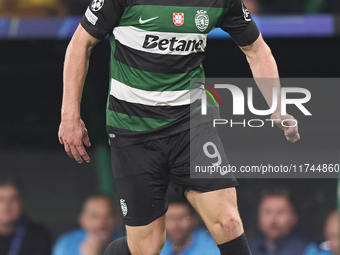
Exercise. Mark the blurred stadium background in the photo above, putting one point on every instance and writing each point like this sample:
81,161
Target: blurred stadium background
304,36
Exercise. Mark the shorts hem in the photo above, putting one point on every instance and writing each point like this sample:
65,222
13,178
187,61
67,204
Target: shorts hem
180,190
144,223
213,189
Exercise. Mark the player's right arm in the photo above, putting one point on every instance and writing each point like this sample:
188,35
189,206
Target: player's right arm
72,131
99,20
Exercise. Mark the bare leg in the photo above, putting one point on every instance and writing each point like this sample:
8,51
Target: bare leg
148,239
219,212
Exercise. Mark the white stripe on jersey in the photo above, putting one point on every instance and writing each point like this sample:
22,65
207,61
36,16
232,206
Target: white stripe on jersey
185,43
126,93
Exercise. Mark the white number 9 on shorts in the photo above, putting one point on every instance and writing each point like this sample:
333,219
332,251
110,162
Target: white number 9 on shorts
215,154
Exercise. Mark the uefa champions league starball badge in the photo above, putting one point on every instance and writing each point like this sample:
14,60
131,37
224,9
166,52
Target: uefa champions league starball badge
97,5
202,20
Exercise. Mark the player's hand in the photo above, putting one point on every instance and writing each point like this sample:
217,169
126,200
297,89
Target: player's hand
73,135
291,133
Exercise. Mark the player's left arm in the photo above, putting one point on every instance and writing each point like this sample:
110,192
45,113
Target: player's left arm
266,75
242,28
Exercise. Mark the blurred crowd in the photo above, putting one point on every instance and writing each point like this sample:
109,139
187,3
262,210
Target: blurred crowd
32,8
98,220
62,8
273,7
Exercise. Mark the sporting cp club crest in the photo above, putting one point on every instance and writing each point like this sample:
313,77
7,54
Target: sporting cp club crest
97,5
124,207
202,20
178,19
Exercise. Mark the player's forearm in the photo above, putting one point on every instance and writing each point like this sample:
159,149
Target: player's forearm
265,72
75,70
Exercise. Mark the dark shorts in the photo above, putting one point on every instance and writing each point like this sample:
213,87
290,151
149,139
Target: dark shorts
142,172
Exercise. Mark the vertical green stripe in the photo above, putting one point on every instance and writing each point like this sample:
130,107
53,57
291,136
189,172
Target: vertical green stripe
104,167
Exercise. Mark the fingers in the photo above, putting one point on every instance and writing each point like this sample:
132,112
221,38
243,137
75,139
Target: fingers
76,154
73,135
60,139
294,139
68,150
86,139
292,134
60,136
81,150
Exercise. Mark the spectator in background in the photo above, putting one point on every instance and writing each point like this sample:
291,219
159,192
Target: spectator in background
332,232
18,234
277,222
183,235
282,7
97,223
32,8
331,246
299,7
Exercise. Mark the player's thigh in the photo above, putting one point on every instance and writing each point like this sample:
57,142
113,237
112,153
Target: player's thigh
212,195
200,147
141,182
148,239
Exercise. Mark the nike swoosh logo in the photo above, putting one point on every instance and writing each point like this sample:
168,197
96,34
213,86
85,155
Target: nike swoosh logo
147,20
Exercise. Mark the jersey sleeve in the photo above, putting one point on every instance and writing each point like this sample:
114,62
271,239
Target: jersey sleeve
239,24
101,17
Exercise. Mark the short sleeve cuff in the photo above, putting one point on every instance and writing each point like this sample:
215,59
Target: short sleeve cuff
92,30
247,36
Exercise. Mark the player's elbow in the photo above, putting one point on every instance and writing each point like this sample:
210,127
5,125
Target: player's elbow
265,51
76,50
259,53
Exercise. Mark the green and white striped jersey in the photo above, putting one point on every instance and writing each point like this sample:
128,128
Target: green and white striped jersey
157,47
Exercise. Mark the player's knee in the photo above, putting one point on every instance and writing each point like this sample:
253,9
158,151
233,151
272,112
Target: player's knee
231,224
150,247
